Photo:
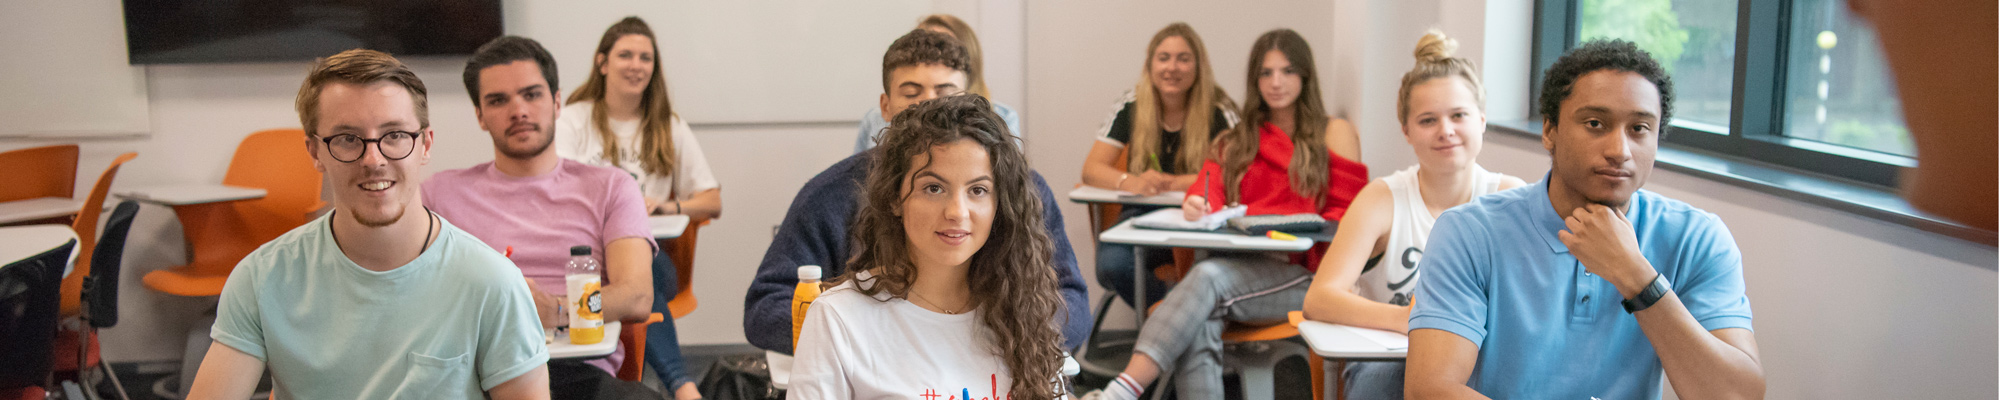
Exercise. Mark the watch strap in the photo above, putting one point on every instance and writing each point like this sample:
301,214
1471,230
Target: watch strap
1651,294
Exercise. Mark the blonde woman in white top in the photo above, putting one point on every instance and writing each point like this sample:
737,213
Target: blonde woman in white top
1371,266
622,117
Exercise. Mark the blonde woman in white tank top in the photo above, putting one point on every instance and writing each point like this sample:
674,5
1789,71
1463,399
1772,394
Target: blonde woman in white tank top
1371,266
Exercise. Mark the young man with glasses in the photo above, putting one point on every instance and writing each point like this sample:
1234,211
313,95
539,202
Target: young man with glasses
379,298
534,201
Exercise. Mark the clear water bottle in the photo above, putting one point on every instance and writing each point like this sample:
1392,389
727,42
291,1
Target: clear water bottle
586,305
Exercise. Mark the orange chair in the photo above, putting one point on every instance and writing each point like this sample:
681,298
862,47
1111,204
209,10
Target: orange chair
86,235
37,172
681,249
633,337
220,234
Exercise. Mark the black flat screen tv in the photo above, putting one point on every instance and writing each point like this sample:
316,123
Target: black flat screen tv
221,31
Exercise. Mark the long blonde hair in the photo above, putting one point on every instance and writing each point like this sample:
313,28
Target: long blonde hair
975,73
1308,171
1203,97
1434,61
656,110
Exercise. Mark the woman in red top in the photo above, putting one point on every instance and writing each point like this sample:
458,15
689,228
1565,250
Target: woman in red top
1287,157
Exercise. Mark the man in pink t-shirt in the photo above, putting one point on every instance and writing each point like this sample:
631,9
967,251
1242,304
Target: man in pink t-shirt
532,200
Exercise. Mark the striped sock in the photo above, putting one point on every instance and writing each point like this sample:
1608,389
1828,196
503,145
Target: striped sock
1124,388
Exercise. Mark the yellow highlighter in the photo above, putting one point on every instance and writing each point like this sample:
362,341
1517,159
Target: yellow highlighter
1280,235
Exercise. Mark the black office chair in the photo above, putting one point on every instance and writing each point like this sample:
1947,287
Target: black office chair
100,292
29,294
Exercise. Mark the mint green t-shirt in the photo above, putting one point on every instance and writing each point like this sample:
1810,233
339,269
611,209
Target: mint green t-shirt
451,324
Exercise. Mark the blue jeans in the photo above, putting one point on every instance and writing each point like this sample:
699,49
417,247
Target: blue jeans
1114,264
1374,379
663,343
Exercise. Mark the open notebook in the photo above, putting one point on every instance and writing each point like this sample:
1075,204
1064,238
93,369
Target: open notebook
1173,219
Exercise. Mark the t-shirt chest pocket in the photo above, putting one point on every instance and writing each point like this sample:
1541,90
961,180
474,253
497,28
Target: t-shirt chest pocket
435,377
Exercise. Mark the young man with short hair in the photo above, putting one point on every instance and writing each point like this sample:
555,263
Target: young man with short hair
1584,285
379,298
919,66
540,204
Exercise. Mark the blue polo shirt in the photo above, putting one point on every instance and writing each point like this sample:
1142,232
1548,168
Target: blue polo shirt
1496,274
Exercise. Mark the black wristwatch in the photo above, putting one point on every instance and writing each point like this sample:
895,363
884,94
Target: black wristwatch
1651,294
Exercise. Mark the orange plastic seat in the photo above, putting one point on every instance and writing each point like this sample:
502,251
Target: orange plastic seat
37,172
86,235
633,337
681,249
220,234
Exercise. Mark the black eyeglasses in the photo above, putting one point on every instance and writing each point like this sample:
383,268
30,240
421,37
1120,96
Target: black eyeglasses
348,148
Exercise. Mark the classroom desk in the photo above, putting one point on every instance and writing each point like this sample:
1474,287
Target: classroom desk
1140,239
1087,194
180,195
21,242
667,226
562,349
38,209
1342,342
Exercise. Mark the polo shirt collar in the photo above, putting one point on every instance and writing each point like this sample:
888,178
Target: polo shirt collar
1543,217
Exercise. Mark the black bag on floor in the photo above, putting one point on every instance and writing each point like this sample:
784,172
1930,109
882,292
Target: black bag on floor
742,377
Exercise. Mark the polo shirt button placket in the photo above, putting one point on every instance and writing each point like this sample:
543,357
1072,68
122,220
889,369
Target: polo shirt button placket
1586,284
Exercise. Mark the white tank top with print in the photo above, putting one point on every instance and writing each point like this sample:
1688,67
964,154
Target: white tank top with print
1390,277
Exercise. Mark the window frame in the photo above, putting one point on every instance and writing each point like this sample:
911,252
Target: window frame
1756,123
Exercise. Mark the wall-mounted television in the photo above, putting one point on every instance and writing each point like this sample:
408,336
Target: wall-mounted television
220,31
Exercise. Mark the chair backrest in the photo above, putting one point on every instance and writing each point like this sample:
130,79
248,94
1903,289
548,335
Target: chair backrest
100,294
276,161
28,298
86,234
681,249
36,172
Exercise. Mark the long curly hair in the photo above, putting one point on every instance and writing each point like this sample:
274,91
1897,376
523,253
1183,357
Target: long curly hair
1236,149
656,129
1011,277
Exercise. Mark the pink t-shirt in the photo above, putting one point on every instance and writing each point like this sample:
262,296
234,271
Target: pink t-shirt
542,216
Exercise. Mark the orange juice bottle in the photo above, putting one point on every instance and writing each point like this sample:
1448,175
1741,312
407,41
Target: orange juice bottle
802,299
586,315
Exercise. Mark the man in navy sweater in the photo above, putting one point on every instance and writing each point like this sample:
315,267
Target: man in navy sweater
921,65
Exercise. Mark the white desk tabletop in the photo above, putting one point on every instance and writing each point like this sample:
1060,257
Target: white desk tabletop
34,209
180,195
1335,341
1125,233
562,349
668,226
1088,195
20,242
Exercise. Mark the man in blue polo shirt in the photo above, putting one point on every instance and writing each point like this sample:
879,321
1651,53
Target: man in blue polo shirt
1582,285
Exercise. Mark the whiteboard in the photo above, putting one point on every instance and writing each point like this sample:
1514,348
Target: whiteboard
63,71
754,61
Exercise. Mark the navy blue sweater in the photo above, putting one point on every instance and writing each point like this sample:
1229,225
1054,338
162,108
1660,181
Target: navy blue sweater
815,232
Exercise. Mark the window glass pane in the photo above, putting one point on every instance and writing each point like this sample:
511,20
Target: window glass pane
1837,85
1694,39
